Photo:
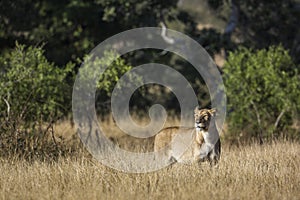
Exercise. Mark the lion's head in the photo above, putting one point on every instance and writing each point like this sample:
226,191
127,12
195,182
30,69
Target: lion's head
203,118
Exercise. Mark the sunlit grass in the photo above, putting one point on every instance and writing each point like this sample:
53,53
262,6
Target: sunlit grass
270,171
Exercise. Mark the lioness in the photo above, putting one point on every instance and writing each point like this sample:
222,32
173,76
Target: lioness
205,140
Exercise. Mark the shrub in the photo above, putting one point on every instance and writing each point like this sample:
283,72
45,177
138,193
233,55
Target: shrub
263,93
33,95
107,80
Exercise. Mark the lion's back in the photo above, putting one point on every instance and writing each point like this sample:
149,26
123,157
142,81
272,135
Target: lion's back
164,137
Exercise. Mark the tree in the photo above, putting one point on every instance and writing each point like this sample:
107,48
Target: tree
70,29
106,82
259,24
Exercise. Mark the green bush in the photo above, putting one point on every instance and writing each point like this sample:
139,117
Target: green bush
263,93
107,80
33,94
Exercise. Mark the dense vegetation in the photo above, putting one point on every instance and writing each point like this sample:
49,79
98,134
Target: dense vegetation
263,93
43,44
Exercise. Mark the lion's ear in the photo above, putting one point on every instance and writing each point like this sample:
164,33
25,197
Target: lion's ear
197,108
213,111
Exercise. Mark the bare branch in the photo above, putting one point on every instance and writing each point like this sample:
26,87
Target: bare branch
233,19
278,119
258,121
8,107
164,34
53,137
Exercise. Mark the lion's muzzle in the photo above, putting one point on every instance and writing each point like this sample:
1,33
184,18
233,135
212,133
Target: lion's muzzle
200,126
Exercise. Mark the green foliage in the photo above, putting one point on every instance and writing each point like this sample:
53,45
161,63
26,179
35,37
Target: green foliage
137,12
262,23
270,22
116,67
215,4
105,72
263,93
33,95
72,28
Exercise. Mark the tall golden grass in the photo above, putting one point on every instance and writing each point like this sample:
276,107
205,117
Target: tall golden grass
269,171
251,172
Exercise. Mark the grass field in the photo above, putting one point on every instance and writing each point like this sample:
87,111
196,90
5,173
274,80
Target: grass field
271,171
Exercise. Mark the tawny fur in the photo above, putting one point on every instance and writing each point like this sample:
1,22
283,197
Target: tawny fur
165,137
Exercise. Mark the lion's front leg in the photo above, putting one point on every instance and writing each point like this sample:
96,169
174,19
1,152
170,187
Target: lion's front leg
214,155
205,150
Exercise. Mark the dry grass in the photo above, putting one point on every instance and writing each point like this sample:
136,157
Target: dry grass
250,172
